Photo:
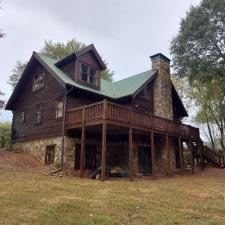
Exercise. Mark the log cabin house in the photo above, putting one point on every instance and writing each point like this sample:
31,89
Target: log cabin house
66,114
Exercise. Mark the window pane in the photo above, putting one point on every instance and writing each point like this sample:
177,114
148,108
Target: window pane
38,81
22,117
84,72
39,113
92,78
59,108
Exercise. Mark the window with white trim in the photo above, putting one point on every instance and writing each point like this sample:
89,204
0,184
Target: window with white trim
22,117
38,81
88,74
39,111
59,108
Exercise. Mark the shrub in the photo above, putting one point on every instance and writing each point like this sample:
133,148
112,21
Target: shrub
5,135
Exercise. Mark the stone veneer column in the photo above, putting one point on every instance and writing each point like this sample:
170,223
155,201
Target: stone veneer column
162,87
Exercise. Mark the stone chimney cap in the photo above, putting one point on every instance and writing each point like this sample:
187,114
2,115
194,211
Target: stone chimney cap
160,56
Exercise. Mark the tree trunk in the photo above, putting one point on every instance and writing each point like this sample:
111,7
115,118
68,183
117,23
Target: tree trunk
210,134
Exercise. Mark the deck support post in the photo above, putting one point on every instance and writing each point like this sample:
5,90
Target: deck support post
168,155
104,140
153,155
82,147
82,152
180,144
130,153
201,148
191,156
103,162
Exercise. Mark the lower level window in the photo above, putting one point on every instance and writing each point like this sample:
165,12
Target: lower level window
50,154
59,108
39,109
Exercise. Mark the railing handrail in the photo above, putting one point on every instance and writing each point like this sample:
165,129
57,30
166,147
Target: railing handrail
184,128
212,150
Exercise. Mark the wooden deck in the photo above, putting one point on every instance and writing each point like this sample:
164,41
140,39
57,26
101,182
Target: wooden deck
126,116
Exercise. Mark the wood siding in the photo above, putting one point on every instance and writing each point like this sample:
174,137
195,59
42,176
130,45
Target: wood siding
142,103
69,69
27,102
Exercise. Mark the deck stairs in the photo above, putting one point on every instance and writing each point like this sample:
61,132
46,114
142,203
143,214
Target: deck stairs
210,156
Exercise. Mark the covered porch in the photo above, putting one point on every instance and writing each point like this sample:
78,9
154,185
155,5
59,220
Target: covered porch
151,145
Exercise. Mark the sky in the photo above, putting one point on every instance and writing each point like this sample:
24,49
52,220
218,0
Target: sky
124,32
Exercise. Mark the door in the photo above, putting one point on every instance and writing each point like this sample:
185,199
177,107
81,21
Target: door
144,160
90,161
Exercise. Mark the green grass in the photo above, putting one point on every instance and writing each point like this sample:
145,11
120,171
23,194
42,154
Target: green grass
32,198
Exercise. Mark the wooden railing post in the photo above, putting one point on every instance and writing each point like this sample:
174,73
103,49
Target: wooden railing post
82,151
104,109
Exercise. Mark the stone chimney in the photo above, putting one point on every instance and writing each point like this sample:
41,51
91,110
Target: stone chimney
162,87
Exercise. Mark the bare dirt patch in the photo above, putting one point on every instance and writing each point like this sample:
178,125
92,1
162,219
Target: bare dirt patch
22,161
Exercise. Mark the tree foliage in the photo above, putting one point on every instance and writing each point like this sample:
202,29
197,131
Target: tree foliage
59,50
2,102
198,53
2,34
5,132
55,50
199,48
16,73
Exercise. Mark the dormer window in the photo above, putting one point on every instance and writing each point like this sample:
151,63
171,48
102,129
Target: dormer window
38,82
88,74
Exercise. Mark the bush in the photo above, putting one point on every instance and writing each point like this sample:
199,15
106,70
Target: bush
5,135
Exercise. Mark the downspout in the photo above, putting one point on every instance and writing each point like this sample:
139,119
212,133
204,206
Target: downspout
63,127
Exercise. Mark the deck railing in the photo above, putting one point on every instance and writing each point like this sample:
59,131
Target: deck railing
215,156
126,115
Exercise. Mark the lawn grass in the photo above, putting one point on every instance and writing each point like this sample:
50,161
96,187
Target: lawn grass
32,198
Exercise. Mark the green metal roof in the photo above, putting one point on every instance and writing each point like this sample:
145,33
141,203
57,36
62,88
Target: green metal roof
117,89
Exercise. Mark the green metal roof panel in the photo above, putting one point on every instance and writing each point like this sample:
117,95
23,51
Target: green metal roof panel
130,85
117,89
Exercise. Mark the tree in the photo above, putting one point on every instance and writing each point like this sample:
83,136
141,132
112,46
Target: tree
16,73
198,50
1,32
5,134
1,101
198,53
56,51
59,50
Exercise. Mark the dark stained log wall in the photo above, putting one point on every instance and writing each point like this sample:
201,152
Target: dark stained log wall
144,104
69,69
27,101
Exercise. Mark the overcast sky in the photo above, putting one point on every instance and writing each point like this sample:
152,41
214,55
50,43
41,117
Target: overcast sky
125,32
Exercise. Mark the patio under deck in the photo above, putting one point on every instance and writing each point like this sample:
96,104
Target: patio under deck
107,114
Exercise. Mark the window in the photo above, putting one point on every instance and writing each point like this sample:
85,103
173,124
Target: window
92,76
88,74
59,108
38,82
22,117
39,109
50,154
84,72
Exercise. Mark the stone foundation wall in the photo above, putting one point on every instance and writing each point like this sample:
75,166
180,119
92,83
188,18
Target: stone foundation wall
117,152
38,149
161,155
